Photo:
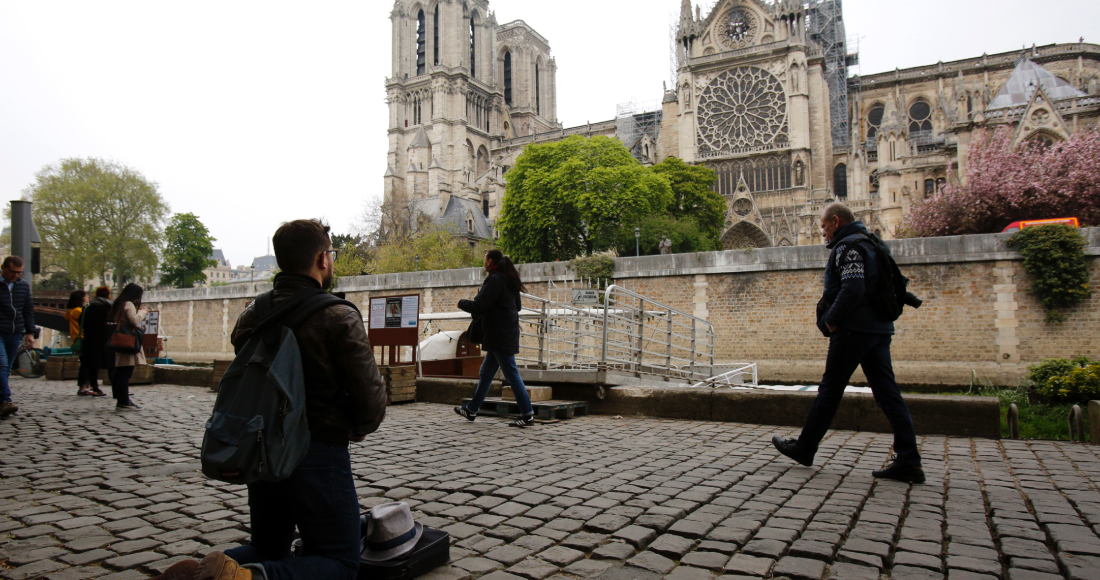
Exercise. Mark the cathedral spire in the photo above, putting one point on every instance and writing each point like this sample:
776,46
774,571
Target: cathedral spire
687,23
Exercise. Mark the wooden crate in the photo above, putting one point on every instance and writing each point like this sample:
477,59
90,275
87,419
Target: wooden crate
400,383
62,368
143,375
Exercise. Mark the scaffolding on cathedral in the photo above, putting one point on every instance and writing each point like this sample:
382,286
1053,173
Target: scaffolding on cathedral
633,121
826,28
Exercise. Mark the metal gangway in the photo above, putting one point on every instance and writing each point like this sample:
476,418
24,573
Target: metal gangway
613,336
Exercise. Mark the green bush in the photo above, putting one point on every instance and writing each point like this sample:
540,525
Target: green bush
597,268
1055,256
1078,386
1066,380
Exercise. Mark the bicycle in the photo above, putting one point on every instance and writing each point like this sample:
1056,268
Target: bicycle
29,364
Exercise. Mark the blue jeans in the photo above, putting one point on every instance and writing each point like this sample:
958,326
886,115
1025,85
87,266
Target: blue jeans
847,350
506,362
319,499
7,358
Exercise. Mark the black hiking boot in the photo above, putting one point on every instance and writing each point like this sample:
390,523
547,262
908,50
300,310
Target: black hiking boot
905,473
790,448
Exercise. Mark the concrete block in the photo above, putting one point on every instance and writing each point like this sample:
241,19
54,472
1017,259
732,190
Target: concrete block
1094,422
536,393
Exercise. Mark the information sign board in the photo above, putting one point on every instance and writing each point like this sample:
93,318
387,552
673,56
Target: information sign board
585,296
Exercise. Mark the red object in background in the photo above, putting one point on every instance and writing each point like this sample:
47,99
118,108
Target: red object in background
1017,226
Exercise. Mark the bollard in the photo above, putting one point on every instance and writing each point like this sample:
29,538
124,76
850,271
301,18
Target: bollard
1094,422
1076,425
1013,422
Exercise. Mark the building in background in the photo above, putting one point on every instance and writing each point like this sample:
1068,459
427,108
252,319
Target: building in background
763,94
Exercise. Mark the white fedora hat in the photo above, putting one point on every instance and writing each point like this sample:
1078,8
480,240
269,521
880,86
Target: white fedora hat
391,532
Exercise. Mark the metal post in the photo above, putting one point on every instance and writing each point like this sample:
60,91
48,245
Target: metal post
668,345
543,329
641,333
693,323
637,242
606,306
23,235
1013,421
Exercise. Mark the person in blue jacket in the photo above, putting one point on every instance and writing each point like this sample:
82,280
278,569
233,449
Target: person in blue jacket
16,322
857,337
497,306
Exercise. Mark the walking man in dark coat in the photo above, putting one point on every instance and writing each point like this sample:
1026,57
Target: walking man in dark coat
16,324
857,337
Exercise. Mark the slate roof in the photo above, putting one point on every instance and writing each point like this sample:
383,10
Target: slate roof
1021,85
264,263
455,216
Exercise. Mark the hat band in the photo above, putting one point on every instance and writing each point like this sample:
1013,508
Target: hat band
392,543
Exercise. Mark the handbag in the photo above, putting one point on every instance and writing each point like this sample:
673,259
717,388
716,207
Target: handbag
125,339
473,332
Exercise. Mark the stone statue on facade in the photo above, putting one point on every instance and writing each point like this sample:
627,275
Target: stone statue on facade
665,246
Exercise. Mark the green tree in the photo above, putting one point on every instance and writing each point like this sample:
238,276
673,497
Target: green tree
684,233
572,197
437,247
188,252
98,216
692,197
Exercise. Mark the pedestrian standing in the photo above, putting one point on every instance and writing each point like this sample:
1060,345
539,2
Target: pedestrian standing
857,337
93,355
345,402
127,310
74,313
497,306
16,323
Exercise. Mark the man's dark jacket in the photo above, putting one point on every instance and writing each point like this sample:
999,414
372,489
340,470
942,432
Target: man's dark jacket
95,329
498,307
16,308
851,275
345,393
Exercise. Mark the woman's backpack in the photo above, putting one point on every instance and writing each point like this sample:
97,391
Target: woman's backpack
258,430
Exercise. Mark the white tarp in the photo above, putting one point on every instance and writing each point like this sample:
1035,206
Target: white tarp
441,346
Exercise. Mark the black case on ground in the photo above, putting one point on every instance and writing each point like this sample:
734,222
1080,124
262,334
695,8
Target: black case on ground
432,551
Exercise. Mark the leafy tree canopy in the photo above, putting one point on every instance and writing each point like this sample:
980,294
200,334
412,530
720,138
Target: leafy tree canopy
98,216
188,251
684,233
571,197
692,197
437,248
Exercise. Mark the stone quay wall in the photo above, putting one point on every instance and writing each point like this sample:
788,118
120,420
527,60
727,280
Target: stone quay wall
978,318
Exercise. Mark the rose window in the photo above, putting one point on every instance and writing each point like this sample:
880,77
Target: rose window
738,28
741,108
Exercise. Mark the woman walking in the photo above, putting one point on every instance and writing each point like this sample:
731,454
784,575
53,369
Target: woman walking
74,313
93,355
127,310
497,306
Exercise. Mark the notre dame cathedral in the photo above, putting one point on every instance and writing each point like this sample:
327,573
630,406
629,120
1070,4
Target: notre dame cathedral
764,97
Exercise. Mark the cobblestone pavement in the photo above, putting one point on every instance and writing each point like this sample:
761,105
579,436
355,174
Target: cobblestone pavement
87,491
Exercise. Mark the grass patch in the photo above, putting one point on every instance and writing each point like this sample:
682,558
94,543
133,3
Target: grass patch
1036,421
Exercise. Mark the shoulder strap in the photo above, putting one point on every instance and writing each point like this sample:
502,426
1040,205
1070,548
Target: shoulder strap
271,314
315,304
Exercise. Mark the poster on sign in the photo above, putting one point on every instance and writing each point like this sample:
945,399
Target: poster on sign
394,322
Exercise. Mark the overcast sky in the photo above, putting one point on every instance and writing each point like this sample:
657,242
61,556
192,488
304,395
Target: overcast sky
250,114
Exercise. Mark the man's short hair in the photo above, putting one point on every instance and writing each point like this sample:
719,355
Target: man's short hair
840,210
297,244
103,292
12,261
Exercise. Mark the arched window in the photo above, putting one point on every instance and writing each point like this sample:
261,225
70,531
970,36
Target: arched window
940,183
421,40
473,45
482,160
920,117
538,91
929,187
508,78
874,119
435,36
874,181
840,181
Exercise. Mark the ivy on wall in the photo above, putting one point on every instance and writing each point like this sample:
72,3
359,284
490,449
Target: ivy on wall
1055,256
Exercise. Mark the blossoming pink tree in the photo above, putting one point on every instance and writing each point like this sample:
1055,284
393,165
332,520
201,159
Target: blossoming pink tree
1006,184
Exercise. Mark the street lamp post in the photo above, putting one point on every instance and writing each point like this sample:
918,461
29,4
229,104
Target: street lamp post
637,241
418,262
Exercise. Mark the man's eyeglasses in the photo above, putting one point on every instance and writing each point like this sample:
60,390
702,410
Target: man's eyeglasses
335,254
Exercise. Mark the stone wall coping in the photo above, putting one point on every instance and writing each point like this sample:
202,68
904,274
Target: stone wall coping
939,250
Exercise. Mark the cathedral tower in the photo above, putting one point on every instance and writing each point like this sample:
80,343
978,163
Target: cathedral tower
461,85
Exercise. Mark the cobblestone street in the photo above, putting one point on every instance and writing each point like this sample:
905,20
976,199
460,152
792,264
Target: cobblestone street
87,491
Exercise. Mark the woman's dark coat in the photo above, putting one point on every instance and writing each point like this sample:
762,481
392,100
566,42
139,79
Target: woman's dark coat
498,308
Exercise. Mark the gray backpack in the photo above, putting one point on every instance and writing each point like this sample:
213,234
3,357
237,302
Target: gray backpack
258,431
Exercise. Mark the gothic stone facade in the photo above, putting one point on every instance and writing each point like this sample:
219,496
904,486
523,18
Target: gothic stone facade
758,99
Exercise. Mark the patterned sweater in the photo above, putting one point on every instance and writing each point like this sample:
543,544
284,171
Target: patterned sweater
850,275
